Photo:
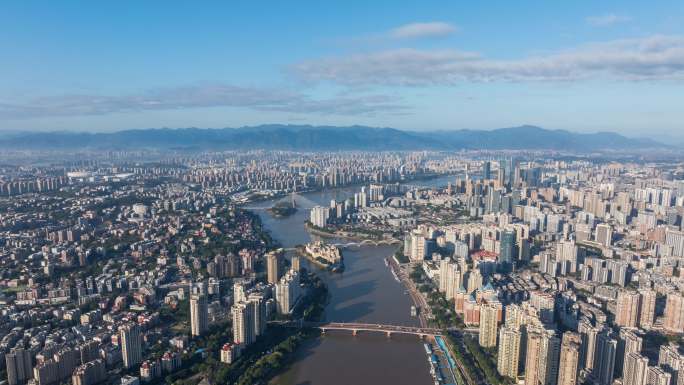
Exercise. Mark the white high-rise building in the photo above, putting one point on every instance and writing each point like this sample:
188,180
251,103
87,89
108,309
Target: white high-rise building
287,292
319,216
243,323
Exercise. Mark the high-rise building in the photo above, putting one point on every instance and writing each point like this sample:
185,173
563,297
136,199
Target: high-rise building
487,170
604,234
488,325
647,302
287,292
243,323
273,266
588,334
319,216
507,249
636,366
18,366
532,356
628,342
509,352
657,376
569,359
259,304
418,246
674,313
296,263
90,373
449,277
549,357
474,280
627,309
131,344
199,314
604,364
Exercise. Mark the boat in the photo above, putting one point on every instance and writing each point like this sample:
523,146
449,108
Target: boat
386,261
414,311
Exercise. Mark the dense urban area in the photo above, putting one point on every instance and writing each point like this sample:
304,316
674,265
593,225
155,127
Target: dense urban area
527,267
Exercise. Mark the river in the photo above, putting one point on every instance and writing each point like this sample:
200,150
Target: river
365,292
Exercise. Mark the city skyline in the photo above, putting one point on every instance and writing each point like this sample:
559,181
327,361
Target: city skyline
583,67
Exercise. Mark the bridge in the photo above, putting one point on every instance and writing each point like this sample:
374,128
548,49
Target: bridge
355,328
300,202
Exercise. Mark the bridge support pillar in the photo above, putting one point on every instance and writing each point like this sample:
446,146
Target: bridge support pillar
355,332
389,334
323,330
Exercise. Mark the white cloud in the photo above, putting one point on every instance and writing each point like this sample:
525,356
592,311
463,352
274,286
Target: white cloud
419,30
650,58
199,96
607,20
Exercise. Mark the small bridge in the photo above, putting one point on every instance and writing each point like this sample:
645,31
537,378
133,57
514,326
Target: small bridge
355,328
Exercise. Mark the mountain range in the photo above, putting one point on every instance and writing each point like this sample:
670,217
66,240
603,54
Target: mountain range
328,138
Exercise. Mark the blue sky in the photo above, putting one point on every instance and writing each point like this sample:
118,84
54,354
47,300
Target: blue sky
580,65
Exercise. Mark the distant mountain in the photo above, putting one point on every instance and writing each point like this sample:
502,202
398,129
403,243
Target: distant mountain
329,138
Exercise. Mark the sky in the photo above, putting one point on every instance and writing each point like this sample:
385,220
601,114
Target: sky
583,66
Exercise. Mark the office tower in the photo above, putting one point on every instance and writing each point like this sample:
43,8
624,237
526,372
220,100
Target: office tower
272,267
549,358
487,170
296,263
319,216
507,249
18,366
569,359
243,323
532,356
636,366
287,292
509,352
647,299
604,235
674,313
199,314
131,344
628,342
488,324
627,309
657,376
604,364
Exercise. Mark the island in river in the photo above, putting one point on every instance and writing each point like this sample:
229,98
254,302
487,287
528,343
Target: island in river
283,209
